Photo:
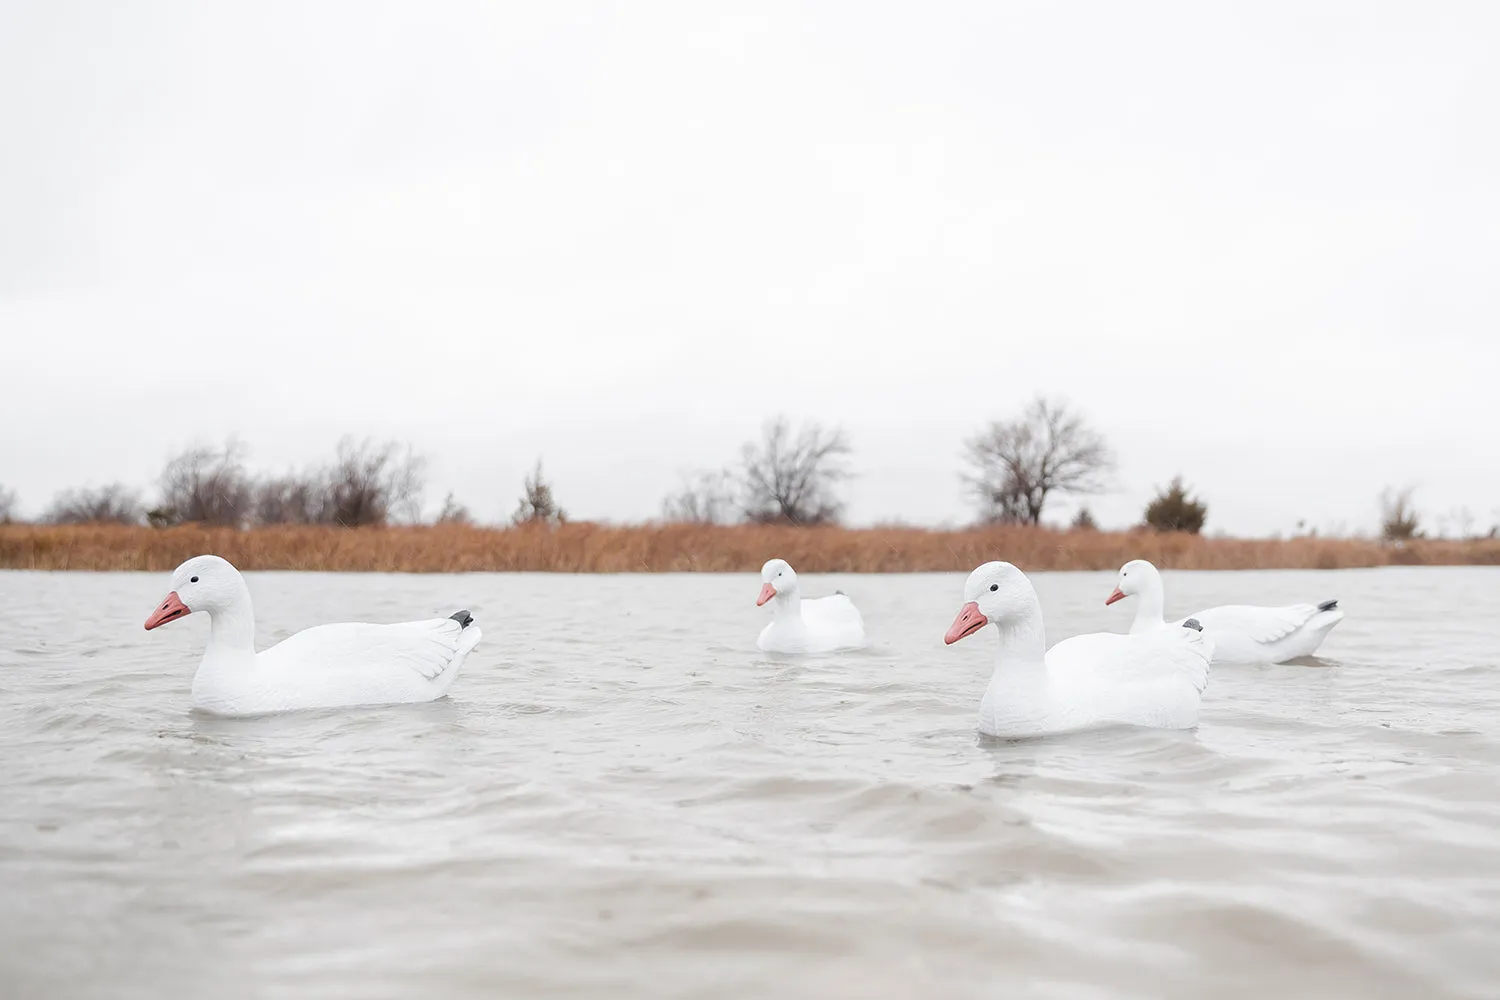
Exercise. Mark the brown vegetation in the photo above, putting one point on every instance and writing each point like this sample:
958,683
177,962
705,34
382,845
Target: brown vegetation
595,548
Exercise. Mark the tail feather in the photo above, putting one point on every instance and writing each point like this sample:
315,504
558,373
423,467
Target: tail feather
463,618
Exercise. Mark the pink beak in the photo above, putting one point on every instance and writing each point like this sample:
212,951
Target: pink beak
171,609
1118,595
969,621
766,593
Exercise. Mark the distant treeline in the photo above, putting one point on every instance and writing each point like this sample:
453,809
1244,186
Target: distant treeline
365,484
1013,470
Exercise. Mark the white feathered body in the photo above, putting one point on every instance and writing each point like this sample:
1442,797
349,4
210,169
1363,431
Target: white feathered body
336,666
1102,679
1244,633
818,625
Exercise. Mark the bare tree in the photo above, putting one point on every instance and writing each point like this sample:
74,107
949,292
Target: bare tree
368,483
704,497
1462,521
115,503
1399,521
453,512
1017,464
372,483
205,485
791,478
537,505
8,505
1006,503
293,499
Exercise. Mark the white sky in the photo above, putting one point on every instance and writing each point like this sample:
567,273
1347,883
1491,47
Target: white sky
1256,243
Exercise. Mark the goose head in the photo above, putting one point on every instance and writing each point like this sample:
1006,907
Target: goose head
1134,576
993,594
203,583
776,577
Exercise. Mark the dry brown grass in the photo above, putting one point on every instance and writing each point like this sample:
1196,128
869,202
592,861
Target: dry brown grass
595,548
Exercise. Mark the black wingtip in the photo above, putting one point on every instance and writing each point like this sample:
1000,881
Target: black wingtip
1328,605
463,618
841,593
1192,623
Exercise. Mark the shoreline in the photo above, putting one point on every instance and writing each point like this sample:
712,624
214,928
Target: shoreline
690,548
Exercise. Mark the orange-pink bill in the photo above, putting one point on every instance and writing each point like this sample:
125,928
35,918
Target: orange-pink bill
970,620
169,610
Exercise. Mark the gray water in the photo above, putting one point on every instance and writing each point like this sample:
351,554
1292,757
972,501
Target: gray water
624,798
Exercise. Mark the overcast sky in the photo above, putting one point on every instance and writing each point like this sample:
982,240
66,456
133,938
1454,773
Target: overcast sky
1256,244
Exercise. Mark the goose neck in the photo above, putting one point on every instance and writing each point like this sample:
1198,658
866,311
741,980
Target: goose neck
1023,640
233,626
1150,610
787,606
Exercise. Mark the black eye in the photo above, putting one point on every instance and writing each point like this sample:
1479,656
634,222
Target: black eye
994,586
193,580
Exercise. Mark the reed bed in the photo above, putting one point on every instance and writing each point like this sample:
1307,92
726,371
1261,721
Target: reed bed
671,548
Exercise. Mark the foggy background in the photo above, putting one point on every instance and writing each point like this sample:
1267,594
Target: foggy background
1254,245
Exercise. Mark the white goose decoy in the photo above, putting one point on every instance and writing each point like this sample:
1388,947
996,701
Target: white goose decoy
1085,682
323,667
819,625
1242,633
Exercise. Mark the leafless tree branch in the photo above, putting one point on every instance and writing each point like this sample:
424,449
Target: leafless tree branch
1016,464
791,478
205,485
115,503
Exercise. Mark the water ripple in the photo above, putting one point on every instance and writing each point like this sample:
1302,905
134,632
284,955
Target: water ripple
642,807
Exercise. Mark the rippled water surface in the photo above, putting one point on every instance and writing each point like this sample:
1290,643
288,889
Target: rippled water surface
623,798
